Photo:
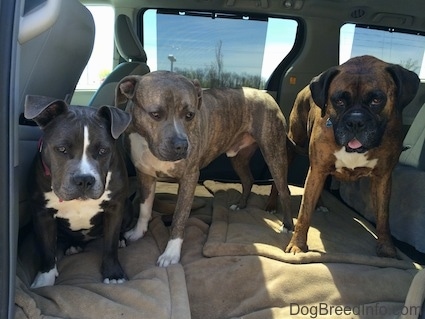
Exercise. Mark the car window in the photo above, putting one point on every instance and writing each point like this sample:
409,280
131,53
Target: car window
101,60
219,49
394,46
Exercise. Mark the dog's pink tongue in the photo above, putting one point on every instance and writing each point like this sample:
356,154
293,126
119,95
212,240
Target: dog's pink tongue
354,144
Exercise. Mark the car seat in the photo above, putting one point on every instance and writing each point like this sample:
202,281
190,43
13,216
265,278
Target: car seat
131,50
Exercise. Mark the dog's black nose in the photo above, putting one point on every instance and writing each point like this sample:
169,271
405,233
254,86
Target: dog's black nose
354,121
84,182
180,146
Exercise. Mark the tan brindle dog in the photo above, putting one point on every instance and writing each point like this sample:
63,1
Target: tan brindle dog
178,128
350,118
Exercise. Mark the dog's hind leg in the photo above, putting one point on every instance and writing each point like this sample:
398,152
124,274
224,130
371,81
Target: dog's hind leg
277,161
240,164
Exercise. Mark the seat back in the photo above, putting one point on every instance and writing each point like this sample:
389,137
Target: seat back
56,41
131,50
414,141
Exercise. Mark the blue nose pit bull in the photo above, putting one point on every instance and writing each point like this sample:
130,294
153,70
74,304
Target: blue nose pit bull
79,186
178,128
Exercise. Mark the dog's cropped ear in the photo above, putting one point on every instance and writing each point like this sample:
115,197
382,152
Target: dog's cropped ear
407,83
119,119
198,88
126,88
319,87
43,109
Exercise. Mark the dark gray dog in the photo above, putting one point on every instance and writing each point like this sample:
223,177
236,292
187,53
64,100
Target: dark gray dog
178,128
79,190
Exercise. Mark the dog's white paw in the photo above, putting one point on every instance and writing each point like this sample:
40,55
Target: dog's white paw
45,278
122,243
73,250
234,207
113,281
171,254
137,232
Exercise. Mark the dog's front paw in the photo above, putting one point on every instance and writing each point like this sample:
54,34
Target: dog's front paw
295,247
234,207
45,278
135,233
171,254
113,281
112,272
122,243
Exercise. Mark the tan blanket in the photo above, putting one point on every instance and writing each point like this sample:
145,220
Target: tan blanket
232,266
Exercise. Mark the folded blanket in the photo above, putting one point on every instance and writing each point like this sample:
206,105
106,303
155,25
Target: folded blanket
336,234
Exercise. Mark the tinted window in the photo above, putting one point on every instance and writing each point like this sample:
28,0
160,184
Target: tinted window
216,48
394,46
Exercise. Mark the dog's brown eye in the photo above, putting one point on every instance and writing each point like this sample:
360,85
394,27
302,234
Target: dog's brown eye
376,101
189,116
103,151
62,149
155,115
339,103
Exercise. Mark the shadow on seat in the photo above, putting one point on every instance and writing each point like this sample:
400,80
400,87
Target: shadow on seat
131,50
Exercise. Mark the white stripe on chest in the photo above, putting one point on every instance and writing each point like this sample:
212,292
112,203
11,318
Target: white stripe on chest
353,160
145,161
78,212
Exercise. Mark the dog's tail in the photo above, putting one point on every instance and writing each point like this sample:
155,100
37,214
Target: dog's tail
293,148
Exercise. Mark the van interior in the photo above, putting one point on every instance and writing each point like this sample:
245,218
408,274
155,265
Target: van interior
233,263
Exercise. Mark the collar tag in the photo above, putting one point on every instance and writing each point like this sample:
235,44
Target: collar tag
328,123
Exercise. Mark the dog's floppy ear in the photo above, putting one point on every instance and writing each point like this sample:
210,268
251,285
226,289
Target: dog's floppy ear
199,91
119,119
319,87
43,109
126,88
407,83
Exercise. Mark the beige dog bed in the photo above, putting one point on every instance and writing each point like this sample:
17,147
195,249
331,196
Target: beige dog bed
232,266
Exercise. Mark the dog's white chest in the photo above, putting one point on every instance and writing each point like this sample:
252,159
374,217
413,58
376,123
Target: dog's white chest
78,212
352,160
145,161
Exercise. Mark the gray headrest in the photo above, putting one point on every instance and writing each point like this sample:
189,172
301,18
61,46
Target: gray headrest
126,40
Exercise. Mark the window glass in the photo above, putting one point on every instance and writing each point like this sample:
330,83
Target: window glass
218,49
394,46
101,60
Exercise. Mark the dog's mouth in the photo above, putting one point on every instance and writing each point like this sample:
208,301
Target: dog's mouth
356,146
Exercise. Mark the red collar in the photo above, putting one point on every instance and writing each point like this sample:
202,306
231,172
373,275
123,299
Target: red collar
45,167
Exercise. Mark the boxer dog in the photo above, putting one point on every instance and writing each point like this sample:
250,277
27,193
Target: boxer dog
79,184
178,128
350,117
